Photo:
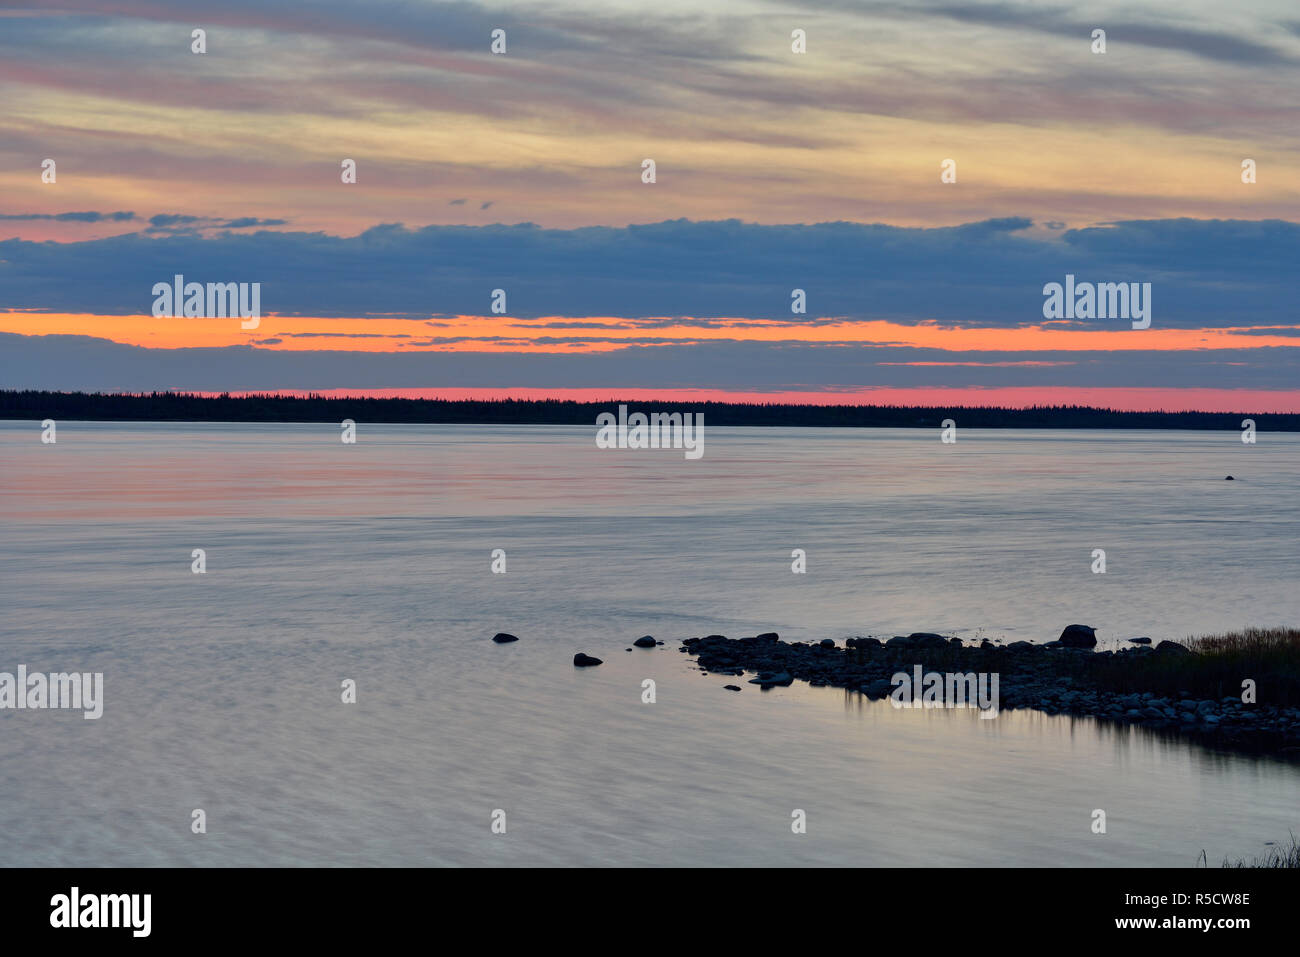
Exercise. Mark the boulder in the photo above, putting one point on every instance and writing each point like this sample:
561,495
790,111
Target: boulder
645,641
880,688
927,639
585,661
1078,636
1172,648
768,680
828,642
1141,641
502,638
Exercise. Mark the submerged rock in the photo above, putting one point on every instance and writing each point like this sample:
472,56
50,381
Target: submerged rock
502,638
731,687
768,680
585,661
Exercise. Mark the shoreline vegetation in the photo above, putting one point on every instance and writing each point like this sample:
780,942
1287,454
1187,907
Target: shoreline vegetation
1237,691
187,407
1279,855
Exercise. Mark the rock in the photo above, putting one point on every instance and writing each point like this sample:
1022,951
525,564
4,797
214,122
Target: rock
585,661
1141,641
1229,478
899,641
768,636
731,687
1172,648
502,638
1078,636
926,639
880,688
645,641
828,642
768,680
1020,646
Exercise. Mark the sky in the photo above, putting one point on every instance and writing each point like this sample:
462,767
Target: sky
523,171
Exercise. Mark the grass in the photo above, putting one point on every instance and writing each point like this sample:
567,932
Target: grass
1277,856
1215,669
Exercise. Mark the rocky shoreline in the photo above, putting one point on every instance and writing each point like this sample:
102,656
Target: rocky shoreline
1052,678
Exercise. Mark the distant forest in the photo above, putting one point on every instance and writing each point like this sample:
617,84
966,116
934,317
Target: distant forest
182,407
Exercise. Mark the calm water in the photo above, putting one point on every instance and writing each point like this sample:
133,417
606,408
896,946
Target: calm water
372,562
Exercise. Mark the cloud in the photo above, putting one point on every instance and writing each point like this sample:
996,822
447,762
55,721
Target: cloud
87,217
173,221
991,272
1209,44
81,362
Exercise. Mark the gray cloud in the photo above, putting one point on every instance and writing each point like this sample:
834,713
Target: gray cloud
1203,272
1218,45
86,217
79,362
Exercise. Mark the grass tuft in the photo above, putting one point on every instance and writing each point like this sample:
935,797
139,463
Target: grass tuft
1279,856
1216,668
